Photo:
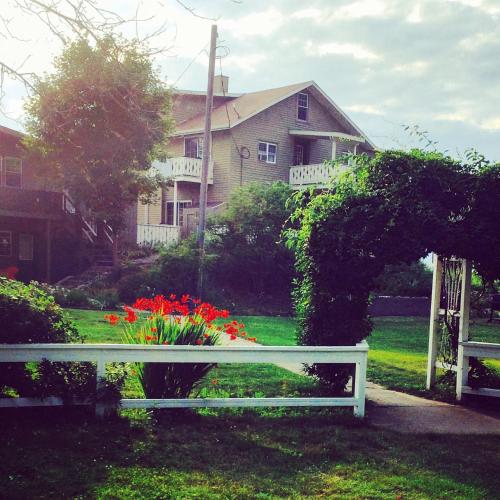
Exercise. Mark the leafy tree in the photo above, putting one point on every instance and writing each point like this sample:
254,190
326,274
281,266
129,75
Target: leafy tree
405,280
394,208
96,124
246,240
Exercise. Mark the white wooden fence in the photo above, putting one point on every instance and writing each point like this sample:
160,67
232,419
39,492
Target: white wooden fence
106,353
158,233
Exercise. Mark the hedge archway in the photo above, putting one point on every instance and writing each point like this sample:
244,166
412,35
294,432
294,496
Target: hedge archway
392,208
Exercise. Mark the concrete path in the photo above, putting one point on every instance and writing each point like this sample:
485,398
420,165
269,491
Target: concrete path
408,414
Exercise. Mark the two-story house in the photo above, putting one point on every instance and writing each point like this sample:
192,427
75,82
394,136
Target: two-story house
284,134
42,234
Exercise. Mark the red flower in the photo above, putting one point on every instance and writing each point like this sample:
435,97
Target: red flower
165,343
131,316
185,298
112,318
172,296
233,337
243,334
9,272
251,339
153,329
199,341
206,335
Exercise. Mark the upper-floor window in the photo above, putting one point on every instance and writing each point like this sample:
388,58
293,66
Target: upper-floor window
267,152
193,147
12,171
302,106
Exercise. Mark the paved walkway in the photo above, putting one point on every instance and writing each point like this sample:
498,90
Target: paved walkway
404,413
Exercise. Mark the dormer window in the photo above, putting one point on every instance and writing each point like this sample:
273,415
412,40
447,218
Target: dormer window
193,147
302,106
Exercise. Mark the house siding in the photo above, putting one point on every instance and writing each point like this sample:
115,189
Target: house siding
273,125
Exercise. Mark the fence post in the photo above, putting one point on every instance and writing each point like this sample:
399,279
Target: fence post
463,332
360,383
434,321
100,407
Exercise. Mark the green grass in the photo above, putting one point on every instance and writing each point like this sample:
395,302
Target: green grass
240,453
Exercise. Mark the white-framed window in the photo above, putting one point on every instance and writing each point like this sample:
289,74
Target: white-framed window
193,147
302,106
26,245
12,171
5,243
169,212
267,152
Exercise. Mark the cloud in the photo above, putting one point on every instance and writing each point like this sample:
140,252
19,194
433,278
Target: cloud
255,24
354,50
368,109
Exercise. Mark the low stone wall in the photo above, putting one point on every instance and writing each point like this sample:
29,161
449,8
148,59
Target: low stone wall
400,306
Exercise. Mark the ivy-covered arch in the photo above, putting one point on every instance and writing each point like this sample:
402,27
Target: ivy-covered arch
395,207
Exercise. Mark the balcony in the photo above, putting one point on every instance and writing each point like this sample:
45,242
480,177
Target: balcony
31,203
317,175
182,168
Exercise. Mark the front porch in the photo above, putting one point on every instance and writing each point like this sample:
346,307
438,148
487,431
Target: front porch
304,174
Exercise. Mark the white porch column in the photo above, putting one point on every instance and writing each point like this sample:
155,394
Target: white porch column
334,148
175,222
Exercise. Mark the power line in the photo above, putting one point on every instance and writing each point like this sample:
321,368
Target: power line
191,63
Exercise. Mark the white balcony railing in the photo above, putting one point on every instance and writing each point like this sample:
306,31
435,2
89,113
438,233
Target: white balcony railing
158,234
318,174
182,168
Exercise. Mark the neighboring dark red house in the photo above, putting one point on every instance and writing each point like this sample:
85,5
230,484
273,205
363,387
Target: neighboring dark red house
40,229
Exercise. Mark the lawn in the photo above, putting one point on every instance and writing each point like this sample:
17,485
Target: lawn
242,453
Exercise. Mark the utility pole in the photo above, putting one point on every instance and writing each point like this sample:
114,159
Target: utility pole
207,146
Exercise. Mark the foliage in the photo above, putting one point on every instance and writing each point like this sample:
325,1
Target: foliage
97,123
396,207
246,240
29,315
173,322
405,280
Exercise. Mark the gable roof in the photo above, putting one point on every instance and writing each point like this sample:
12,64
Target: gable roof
241,108
11,131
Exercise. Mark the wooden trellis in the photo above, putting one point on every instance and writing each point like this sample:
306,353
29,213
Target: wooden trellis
450,309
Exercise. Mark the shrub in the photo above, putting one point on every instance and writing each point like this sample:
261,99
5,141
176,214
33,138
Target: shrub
29,315
173,322
405,280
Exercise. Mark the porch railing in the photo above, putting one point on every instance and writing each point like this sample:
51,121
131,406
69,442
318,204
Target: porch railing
107,353
318,174
182,168
158,233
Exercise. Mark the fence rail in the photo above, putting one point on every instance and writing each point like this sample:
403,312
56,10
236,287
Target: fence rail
107,353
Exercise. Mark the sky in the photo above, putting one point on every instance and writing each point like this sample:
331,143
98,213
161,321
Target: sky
429,64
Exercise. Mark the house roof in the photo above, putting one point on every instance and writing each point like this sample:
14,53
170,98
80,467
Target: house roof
241,108
11,131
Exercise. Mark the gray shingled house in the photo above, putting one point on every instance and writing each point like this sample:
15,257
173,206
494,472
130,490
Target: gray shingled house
282,134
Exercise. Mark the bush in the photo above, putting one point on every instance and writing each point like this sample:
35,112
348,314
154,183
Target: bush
29,315
405,280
